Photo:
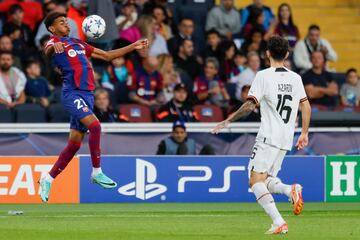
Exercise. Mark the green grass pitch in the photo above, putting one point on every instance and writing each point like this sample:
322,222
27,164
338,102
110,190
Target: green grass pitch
185,221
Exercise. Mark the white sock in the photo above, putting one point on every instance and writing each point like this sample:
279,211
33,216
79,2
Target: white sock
96,171
49,178
265,199
276,186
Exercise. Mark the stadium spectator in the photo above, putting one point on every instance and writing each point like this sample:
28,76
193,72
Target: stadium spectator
257,44
257,4
36,89
240,61
209,88
162,19
145,27
320,86
128,15
224,18
170,76
285,26
312,42
48,6
185,59
185,31
253,116
42,31
77,12
212,48
16,16
32,11
178,108
102,108
105,9
7,45
146,84
116,72
179,143
141,29
227,65
256,20
349,92
12,82
246,78
14,32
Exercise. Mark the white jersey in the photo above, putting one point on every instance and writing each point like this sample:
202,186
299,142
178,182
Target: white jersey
278,91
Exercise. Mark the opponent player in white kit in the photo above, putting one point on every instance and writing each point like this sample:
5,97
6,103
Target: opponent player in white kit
279,92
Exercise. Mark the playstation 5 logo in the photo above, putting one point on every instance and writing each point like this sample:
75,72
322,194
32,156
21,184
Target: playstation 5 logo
144,186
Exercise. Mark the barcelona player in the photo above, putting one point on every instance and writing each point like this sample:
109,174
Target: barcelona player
71,55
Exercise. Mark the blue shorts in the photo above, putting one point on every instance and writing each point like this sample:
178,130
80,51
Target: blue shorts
79,104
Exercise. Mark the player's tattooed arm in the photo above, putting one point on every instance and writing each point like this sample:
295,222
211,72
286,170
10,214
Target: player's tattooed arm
247,107
110,55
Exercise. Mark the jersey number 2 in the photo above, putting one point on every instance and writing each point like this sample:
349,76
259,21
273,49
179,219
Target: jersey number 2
281,107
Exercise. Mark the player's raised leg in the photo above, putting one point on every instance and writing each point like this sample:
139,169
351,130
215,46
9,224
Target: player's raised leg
97,176
73,145
294,192
266,200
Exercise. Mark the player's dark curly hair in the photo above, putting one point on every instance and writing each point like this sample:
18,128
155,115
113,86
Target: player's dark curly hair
51,17
278,47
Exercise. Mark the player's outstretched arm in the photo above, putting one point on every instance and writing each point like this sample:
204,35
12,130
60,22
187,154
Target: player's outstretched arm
57,47
305,115
142,44
247,107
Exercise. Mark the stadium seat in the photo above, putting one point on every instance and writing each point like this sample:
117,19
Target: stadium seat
30,113
318,108
6,115
135,112
209,113
57,113
346,109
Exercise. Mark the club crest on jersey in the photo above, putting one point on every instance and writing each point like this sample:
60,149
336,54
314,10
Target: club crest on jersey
73,53
85,109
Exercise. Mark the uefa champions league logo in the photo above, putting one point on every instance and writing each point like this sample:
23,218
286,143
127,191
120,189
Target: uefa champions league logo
144,186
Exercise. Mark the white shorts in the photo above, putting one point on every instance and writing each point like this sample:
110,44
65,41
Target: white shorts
266,158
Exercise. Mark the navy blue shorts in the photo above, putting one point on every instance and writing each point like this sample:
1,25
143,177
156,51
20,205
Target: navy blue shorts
79,104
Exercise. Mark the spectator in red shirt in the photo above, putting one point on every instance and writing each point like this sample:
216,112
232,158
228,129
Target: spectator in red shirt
77,12
33,13
145,85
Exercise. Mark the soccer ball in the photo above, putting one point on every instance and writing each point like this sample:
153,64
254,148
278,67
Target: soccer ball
93,26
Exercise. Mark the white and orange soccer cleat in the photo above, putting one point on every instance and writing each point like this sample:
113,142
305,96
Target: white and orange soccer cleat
296,199
275,229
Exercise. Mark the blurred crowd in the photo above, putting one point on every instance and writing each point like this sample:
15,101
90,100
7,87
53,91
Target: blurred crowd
200,54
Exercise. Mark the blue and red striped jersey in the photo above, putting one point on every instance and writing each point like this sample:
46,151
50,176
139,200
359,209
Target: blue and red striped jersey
75,67
146,85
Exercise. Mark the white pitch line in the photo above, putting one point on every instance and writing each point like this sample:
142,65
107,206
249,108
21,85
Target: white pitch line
159,215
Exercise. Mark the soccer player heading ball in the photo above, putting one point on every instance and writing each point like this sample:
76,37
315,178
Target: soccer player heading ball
70,55
279,92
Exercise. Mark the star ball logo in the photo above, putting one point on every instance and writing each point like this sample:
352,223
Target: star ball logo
144,186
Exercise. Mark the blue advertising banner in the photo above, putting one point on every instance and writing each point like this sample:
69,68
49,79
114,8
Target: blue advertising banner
192,179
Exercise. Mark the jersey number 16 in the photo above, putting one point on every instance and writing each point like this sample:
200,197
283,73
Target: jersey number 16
281,106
